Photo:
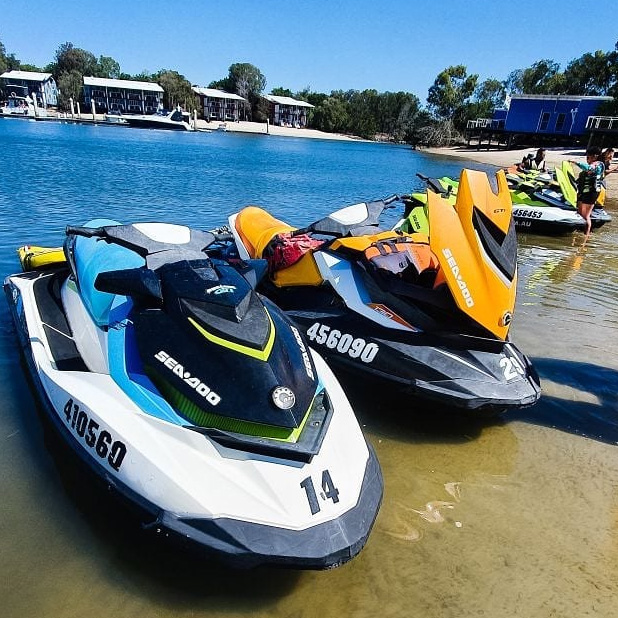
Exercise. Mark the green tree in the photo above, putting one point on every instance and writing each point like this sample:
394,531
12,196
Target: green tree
491,92
488,95
543,77
315,98
450,92
70,85
282,92
178,90
144,76
70,58
107,67
3,63
362,111
398,114
30,67
247,81
331,115
513,83
591,74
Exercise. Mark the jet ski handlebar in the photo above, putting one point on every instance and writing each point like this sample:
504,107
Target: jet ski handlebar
435,185
392,198
88,232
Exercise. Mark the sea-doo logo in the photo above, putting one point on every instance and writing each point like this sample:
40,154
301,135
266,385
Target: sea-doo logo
221,289
303,351
283,397
465,292
195,383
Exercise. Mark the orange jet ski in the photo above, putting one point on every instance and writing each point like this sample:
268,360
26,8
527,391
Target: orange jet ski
427,313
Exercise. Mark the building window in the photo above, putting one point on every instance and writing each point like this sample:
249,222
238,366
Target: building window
560,122
544,121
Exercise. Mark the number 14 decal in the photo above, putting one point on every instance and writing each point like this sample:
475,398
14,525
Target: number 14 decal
329,491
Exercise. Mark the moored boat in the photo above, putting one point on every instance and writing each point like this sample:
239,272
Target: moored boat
176,120
17,106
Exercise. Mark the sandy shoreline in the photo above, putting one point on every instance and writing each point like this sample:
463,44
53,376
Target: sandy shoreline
264,129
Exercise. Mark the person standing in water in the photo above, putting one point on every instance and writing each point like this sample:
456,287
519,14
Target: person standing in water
607,157
589,184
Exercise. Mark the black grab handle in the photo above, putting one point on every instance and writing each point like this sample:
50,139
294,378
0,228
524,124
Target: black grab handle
391,199
88,232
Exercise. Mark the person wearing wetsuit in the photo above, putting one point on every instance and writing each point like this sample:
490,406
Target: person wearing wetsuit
589,184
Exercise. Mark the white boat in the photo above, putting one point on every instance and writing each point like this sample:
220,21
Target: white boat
18,106
176,120
115,117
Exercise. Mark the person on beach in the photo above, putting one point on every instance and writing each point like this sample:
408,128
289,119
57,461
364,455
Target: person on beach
589,184
534,162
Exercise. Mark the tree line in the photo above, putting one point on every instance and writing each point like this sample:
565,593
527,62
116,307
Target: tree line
454,98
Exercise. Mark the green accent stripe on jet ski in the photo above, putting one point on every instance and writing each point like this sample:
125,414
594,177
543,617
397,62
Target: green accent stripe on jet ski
201,418
237,347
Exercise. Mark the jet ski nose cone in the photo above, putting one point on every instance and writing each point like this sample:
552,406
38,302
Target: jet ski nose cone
283,397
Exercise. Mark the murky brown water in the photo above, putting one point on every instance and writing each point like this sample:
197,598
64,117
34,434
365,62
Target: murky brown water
507,518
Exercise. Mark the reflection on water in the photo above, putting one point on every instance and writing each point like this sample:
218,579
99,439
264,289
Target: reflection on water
515,516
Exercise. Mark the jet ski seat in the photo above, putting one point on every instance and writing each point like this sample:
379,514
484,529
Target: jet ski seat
93,256
258,230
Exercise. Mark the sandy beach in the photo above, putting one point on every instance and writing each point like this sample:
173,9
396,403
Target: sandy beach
264,129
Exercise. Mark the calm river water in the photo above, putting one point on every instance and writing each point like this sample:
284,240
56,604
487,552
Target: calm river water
512,517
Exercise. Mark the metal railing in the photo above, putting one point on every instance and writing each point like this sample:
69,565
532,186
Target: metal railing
485,123
602,122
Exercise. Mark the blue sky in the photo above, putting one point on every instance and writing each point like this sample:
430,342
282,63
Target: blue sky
326,45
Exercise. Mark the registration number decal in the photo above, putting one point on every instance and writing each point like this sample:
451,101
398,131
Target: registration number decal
344,343
530,214
99,440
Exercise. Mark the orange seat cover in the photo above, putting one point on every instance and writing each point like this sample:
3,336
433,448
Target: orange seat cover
257,228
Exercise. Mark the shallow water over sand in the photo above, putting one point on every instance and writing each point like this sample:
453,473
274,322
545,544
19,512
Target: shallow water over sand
516,516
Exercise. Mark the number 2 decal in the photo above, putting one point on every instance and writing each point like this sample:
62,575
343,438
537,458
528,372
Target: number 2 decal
512,367
329,491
